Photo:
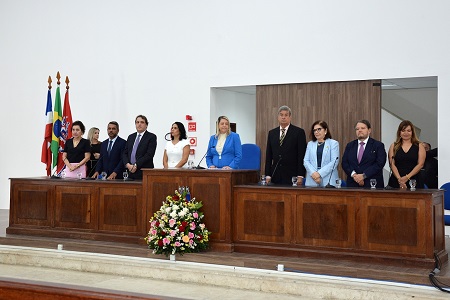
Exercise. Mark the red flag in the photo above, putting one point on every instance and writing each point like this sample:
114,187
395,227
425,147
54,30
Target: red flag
46,155
66,130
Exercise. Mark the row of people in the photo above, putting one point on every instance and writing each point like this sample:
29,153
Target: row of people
287,153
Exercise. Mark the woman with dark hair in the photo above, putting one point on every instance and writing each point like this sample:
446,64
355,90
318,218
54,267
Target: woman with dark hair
321,157
77,151
176,153
406,157
224,148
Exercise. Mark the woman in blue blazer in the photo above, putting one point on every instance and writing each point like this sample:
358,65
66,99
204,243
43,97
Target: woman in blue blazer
224,148
321,157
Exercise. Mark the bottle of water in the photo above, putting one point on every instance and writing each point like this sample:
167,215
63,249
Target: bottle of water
188,194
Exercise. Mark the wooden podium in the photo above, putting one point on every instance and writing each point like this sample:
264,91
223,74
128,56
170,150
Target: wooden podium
214,188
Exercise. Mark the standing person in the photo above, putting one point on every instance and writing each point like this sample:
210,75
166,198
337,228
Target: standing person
140,149
77,151
93,135
286,146
224,148
322,157
176,153
430,167
111,153
364,158
406,157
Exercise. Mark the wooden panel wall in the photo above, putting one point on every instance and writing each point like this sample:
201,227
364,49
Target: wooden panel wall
340,104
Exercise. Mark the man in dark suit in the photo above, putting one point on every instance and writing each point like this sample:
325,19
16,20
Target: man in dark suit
286,147
364,158
430,167
140,149
111,153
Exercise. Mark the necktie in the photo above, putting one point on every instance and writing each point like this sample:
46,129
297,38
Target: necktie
133,153
361,151
283,134
109,146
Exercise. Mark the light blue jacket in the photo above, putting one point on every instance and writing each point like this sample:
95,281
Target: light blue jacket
231,152
330,162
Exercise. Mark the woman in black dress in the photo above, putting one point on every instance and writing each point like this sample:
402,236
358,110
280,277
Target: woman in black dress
77,150
93,135
406,157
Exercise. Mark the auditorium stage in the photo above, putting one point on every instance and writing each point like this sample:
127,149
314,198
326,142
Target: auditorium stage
344,268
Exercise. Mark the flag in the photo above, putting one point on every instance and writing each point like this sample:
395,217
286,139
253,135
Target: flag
56,133
46,155
66,132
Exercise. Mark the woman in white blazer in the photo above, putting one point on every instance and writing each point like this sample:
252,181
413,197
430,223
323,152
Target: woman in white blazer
322,157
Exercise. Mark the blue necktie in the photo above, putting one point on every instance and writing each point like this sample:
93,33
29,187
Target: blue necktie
110,146
133,153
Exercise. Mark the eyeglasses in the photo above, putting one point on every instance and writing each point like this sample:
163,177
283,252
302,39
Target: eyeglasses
317,129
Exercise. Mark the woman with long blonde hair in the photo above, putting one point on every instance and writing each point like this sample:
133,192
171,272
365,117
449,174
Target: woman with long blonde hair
406,157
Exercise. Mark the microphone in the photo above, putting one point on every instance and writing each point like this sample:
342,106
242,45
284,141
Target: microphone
88,177
276,166
198,166
331,173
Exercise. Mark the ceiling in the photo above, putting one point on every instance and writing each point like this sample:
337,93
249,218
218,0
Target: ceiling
386,84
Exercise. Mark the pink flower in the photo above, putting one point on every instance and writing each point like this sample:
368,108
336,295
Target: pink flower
195,215
172,222
173,232
177,244
190,235
192,226
166,241
191,242
153,231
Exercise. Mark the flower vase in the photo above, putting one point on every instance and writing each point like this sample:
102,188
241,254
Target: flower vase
172,257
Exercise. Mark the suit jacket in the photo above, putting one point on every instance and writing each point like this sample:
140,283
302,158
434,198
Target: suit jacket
284,162
112,162
231,152
372,162
144,153
330,161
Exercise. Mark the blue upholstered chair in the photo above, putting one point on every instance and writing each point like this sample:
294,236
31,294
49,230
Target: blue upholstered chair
251,157
446,188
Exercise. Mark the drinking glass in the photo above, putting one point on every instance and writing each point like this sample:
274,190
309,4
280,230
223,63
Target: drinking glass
338,183
263,180
190,164
79,175
373,183
125,175
104,175
412,184
294,180
63,174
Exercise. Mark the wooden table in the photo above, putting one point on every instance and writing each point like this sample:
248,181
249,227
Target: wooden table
368,225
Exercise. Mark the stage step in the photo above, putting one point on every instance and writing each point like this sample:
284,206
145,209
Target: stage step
192,280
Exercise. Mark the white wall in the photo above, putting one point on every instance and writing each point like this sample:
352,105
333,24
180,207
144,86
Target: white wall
160,58
417,105
240,108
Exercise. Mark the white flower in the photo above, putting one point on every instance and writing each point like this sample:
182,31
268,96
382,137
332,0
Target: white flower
168,209
173,214
175,207
182,213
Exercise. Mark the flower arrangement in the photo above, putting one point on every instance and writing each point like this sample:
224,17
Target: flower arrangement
176,227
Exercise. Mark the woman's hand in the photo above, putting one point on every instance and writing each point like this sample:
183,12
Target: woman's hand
226,168
212,167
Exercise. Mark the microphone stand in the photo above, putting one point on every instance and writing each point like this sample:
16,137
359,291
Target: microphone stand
276,166
198,166
88,177
331,173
